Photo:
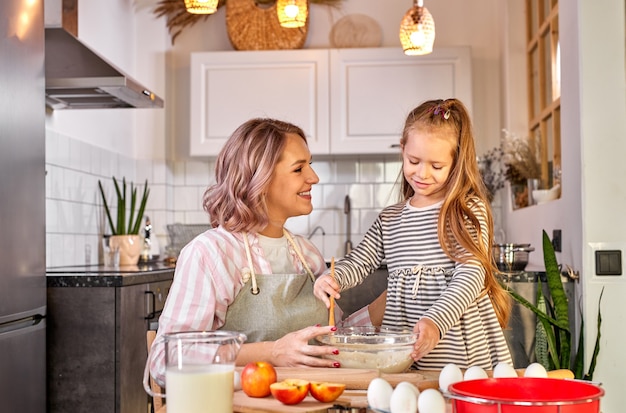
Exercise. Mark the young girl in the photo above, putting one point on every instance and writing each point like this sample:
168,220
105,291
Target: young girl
437,244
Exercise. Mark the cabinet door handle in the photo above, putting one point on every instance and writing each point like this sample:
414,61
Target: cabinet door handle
150,305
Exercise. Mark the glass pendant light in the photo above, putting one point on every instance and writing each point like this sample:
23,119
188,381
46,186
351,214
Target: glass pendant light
417,30
201,6
292,13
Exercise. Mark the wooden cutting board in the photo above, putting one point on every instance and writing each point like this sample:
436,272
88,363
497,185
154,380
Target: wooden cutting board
244,404
356,381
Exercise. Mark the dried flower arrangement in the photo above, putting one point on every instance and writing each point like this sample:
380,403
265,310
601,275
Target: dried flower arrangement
491,169
178,18
514,161
520,158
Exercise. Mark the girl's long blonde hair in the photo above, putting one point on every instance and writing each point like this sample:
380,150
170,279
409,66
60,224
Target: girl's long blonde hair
458,223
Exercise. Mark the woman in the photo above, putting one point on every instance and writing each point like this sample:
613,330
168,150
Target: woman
248,273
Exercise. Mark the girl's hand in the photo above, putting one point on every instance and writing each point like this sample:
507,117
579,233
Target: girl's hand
324,287
427,339
293,349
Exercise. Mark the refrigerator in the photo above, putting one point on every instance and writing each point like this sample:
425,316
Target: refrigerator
22,208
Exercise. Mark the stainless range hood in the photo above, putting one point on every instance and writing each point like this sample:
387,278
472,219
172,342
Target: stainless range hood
78,78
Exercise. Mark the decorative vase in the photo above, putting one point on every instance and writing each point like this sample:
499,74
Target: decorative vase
533,185
129,246
519,195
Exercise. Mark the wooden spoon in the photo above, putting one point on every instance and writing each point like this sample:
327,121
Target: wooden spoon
331,309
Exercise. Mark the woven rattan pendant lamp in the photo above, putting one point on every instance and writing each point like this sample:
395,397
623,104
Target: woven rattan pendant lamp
417,30
292,13
201,6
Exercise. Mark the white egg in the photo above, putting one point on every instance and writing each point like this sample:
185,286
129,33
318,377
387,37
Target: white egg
535,370
403,399
504,370
450,374
410,386
475,372
431,401
379,394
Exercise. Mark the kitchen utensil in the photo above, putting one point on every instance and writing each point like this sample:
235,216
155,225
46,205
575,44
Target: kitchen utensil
331,309
511,257
387,349
347,209
180,234
525,395
199,371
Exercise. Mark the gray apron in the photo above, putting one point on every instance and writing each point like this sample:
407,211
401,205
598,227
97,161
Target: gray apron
271,305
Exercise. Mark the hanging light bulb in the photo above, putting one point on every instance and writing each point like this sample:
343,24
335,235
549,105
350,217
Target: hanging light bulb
292,13
417,30
201,6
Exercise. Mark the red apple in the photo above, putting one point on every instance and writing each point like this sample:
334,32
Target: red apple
256,378
290,391
326,392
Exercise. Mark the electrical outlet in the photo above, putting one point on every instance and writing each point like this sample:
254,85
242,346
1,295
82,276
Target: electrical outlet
556,240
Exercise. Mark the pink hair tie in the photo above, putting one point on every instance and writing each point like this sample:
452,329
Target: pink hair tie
439,111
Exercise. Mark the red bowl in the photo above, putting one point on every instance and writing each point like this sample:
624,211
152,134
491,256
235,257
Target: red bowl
525,395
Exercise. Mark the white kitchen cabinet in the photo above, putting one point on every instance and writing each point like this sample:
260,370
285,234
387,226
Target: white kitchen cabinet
373,90
228,88
348,101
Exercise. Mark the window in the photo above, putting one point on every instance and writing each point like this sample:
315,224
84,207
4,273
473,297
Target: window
544,91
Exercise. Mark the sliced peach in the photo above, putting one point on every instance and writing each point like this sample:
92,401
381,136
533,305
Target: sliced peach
290,391
326,392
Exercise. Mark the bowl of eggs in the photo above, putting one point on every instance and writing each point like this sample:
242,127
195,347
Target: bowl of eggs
386,349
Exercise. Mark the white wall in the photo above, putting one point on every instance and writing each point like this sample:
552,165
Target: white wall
601,128
590,211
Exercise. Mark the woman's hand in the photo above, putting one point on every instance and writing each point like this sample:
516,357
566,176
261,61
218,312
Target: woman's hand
324,287
294,350
427,339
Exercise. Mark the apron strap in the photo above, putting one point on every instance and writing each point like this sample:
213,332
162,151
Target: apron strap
296,248
299,253
255,287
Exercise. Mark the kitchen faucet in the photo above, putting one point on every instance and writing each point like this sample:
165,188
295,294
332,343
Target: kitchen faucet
317,228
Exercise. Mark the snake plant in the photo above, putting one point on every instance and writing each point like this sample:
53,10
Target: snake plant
553,321
123,226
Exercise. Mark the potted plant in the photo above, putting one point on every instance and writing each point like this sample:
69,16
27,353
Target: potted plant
125,231
554,343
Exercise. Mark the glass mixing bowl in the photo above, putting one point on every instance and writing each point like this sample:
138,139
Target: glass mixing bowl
387,349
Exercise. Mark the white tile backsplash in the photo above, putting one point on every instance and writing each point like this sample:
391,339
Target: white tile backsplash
75,216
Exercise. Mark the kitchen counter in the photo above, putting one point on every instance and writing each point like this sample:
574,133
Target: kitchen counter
96,337
101,276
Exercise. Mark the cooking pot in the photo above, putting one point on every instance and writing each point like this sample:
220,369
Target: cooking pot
525,395
511,257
